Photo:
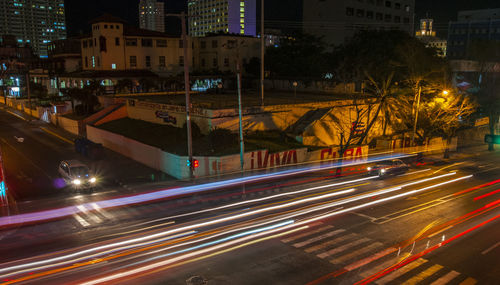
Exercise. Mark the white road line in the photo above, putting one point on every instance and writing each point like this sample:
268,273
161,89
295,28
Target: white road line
356,253
329,243
296,237
342,248
81,221
490,248
318,238
86,212
401,271
101,211
446,278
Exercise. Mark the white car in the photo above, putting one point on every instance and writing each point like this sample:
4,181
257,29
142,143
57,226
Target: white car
77,174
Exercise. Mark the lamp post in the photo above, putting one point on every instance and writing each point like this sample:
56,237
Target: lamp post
295,90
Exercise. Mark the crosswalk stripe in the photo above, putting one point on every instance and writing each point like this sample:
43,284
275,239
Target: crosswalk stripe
342,248
296,237
422,275
104,213
329,243
401,271
355,253
88,214
81,220
446,278
318,238
378,268
469,281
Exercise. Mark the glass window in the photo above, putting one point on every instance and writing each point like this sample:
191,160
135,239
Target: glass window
131,42
163,61
214,62
146,42
397,19
214,44
397,6
148,61
388,18
349,11
161,43
203,44
379,16
226,62
133,61
181,60
203,62
117,41
369,14
388,4
360,13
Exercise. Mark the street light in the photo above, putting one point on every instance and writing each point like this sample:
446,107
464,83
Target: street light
446,92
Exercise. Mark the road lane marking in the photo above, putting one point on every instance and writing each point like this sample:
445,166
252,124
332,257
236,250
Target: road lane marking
370,259
81,221
14,114
490,248
329,243
469,281
56,135
423,275
342,248
85,211
318,238
446,278
401,271
296,237
349,256
373,270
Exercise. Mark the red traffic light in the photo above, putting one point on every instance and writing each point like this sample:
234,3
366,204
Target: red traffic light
196,163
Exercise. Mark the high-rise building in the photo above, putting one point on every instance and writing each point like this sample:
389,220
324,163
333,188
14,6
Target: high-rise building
152,15
222,16
473,25
33,22
338,20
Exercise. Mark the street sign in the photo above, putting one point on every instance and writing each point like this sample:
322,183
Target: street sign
494,139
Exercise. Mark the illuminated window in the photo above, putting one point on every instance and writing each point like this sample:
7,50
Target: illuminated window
242,15
242,20
93,61
242,31
242,26
113,66
242,9
242,4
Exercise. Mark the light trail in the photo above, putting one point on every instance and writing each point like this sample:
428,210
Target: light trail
169,193
302,212
230,243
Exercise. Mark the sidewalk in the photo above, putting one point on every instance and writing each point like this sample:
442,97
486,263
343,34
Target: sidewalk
122,170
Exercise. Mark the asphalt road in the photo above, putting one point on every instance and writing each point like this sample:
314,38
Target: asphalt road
438,223
32,153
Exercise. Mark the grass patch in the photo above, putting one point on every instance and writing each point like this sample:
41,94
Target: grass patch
217,143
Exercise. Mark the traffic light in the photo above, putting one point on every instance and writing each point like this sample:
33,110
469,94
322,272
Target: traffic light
495,139
195,164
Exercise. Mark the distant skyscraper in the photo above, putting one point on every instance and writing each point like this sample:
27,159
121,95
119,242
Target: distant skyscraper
152,15
338,20
34,22
226,16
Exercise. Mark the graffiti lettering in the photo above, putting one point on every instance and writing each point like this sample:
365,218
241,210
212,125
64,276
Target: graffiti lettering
352,153
166,117
267,160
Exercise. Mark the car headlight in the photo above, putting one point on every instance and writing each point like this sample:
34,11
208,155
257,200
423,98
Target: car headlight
382,170
93,180
369,168
77,182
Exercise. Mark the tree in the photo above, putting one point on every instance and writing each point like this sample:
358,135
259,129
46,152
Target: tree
444,114
298,56
486,52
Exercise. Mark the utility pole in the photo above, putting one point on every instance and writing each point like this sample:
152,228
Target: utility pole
262,52
416,114
185,45
29,93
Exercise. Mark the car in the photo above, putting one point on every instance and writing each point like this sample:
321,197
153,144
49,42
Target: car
77,174
388,167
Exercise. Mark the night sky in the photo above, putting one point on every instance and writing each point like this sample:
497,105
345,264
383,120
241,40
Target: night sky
79,12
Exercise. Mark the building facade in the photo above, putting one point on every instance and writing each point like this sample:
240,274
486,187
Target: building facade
33,22
427,35
338,20
221,52
152,15
113,45
471,26
226,16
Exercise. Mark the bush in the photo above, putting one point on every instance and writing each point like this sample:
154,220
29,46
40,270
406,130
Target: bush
195,130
